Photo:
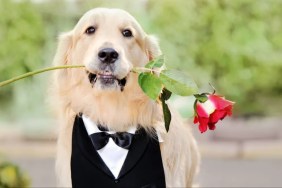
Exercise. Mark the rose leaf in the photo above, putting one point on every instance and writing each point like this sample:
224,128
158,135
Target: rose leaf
156,63
166,113
178,82
150,84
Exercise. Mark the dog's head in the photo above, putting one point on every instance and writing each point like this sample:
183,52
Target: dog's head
109,42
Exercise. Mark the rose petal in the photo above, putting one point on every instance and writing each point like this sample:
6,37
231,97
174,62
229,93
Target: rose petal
220,102
217,115
201,111
203,126
196,120
205,109
211,126
228,110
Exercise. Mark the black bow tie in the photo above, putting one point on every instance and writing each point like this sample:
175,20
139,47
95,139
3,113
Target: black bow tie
122,139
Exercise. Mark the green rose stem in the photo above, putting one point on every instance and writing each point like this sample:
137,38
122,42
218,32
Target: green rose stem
6,82
144,69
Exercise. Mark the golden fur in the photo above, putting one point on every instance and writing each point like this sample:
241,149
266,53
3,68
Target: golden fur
115,108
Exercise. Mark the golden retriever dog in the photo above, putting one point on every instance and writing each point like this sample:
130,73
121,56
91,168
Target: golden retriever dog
109,92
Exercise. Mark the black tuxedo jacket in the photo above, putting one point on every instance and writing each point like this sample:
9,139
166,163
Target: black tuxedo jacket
142,167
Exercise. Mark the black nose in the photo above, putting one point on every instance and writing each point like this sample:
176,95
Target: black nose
108,55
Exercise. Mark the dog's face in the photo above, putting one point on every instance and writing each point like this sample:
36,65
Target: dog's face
109,42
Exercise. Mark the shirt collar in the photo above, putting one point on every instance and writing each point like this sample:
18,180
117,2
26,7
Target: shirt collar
91,127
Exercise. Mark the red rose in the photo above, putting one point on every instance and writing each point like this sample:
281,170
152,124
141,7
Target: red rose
209,108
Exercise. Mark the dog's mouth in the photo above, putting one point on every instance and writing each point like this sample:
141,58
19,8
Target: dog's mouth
106,79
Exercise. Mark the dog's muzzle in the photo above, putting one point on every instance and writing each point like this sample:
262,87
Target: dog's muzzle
105,75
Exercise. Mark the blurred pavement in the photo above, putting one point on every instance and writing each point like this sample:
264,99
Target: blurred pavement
213,172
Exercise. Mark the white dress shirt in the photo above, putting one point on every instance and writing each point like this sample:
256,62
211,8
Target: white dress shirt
113,155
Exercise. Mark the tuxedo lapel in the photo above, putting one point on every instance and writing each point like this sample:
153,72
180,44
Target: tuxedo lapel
137,148
87,148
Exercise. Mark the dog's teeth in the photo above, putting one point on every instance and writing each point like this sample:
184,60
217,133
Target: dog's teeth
107,73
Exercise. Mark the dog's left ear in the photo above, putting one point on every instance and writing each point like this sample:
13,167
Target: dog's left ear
152,47
62,56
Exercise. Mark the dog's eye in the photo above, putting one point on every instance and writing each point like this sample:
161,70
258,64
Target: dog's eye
127,33
90,30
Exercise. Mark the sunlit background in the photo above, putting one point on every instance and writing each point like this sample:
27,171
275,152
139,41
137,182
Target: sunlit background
234,45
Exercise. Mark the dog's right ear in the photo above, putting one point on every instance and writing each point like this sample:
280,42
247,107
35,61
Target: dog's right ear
152,47
63,50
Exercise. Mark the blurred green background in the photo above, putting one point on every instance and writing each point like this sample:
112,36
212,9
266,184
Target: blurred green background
236,45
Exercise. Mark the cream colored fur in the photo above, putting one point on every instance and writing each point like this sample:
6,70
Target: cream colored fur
118,110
